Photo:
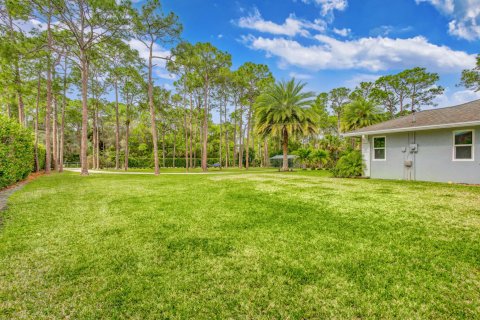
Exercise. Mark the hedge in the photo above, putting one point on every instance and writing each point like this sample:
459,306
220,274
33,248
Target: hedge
147,162
349,165
16,152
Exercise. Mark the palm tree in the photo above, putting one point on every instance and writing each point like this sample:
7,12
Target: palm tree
284,110
319,158
360,113
303,155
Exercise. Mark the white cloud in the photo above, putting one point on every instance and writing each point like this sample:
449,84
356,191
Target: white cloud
168,86
361,77
342,32
328,6
164,74
159,69
158,51
386,30
464,15
291,27
30,25
457,97
300,76
372,54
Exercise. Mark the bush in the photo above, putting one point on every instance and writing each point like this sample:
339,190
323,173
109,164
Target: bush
349,165
147,162
41,157
16,152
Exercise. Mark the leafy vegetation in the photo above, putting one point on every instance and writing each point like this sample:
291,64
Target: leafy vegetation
124,119
262,244
16,152
471,78
283,111
349,165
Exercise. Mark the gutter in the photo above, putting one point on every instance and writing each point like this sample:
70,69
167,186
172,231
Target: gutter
409,129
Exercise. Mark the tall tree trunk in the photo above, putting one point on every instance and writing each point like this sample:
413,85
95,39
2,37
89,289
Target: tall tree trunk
117,129
152,110
195,147
235,135
21,107
247,150
174,146
163,146
55,126
62,125
94,139
84,144
227,149
98,139
191,131
37,109
220,140
205,127
127,133
48,147
285,150
240,152
16,74
186,138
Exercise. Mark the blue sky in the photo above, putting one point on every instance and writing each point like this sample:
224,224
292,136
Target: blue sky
332,43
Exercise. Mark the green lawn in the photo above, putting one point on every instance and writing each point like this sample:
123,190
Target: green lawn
257,245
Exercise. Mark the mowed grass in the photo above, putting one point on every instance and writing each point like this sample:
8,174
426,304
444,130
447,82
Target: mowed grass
242,246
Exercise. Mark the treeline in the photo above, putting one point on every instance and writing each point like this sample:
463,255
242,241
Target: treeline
123,119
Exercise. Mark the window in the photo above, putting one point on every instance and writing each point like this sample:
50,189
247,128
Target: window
379,151
463,145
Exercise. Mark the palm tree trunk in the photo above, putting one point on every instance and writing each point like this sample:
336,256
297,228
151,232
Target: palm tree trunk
266,161
285,150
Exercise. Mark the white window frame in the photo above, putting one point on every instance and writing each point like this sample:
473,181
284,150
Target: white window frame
384,148
463,145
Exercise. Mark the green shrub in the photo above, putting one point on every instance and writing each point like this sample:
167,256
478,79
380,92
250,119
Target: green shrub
16,152
41,157
147,162
349,165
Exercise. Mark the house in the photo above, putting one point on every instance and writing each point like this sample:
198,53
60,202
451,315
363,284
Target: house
434,145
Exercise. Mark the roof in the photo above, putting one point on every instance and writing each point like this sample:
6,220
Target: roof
280,157
466,114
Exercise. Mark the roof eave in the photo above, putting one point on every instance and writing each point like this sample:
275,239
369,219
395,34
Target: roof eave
408,129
